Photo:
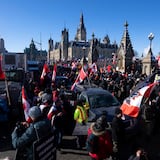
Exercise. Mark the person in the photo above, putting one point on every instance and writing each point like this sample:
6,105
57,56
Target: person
80,113
140,154
24,134
56,116
99,142
81,118
118,134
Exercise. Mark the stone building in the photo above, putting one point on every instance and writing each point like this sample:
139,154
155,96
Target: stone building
33,54
2,46
125,52
80,48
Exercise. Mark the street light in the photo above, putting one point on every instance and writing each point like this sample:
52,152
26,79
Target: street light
150,37
84,57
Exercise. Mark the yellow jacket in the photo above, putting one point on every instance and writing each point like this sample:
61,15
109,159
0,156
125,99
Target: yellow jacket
80,114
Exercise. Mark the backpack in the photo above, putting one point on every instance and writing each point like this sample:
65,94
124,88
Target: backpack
92,143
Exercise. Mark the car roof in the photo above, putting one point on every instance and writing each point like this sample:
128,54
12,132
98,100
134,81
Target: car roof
80,88
91,91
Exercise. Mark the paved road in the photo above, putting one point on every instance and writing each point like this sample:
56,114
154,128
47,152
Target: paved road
67,153
70,153
152,146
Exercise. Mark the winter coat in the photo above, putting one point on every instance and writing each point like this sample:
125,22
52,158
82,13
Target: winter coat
104,145
118,130
24,141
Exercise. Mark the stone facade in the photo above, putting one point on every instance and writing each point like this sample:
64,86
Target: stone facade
147,63
2,46
79,48
125,52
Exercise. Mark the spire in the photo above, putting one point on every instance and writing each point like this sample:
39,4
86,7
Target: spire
81,30
126,25
81,21
126,42
125,52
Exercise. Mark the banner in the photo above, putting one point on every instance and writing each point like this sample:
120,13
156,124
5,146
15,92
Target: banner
45,149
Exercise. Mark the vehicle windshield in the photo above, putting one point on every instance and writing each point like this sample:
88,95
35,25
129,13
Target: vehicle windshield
102,100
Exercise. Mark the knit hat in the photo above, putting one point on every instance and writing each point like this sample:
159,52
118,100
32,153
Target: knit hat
35,112
46,97
100,124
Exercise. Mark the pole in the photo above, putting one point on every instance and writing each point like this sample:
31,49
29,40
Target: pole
7,90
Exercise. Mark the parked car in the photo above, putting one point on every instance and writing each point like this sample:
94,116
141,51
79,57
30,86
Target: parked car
99,101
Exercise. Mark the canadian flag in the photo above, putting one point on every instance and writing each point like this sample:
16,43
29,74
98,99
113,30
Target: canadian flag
45,71
93,68
54,72
131,105
2,74
50,113
26,105
81,76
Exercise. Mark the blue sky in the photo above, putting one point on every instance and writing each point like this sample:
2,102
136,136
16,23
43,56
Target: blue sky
22,20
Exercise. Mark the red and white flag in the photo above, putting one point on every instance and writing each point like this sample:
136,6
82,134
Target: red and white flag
50,113
45,71
81,76
131,105
54,72
93,68
2,74
25,103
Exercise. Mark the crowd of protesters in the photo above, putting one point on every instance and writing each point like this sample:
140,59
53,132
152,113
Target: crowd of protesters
50,98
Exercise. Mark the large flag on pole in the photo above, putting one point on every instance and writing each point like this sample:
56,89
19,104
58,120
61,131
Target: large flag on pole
81,76
25,103
54,72
45,71
131,105
2,74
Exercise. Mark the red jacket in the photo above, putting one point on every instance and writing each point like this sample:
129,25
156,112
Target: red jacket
105,146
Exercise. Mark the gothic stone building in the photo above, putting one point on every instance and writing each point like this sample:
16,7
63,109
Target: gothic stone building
93,50
125,53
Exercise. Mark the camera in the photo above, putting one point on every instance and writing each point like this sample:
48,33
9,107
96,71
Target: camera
20,128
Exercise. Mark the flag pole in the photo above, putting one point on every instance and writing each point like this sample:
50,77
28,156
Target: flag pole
89,81
7,90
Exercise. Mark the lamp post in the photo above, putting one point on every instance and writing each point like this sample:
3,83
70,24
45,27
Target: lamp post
150,37
84,57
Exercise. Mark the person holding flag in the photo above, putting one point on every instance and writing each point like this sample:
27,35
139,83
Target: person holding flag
54,72
25,104
80,78
45,79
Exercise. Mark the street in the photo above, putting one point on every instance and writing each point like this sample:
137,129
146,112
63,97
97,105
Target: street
69,151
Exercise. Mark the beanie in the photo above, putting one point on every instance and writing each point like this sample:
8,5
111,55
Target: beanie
100,124
35,112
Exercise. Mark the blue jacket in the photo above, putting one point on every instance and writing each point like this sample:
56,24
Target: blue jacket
25,141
